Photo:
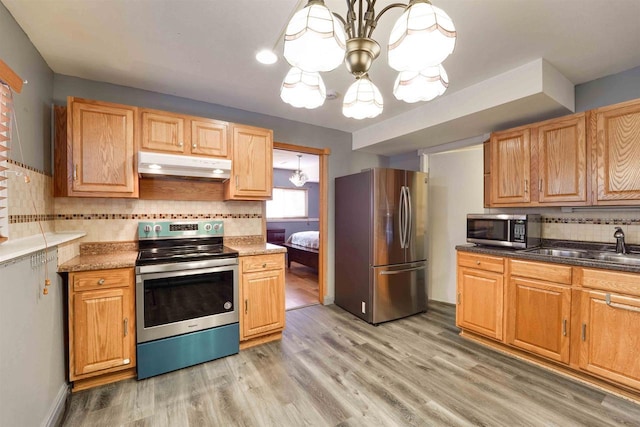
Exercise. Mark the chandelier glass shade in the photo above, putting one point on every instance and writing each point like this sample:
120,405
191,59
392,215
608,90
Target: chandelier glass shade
425,85
303,89
422,37
298,178
314,39
363,100
318,40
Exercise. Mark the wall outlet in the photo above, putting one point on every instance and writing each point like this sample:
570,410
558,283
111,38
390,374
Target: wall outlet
364,307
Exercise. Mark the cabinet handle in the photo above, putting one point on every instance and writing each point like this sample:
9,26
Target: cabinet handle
526,186
564,327
126,326
195,145
584,332
75,172
458,298
264,265
246,306
540,185
180,144
477,262
101,282
620,306
236,182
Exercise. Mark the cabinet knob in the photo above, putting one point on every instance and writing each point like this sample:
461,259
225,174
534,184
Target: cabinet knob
195,145
180,144
264,265
477,262
101,282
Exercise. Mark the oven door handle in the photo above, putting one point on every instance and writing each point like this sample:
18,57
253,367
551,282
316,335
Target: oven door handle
165,274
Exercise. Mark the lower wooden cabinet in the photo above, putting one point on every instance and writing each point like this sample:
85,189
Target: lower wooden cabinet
262,318
582,321
539,308
101,327
480,295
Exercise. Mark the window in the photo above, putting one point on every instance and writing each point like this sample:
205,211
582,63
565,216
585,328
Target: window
288,203
5,135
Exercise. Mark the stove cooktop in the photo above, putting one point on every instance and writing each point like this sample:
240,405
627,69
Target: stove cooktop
182,254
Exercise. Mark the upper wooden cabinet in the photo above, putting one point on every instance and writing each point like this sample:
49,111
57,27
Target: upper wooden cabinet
615,136
510,166
252,167
95,150
562,160
540,164
176,133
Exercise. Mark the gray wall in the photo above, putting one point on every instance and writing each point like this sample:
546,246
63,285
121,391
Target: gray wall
281,179
608,90
32,366
33,104
342,160
408,161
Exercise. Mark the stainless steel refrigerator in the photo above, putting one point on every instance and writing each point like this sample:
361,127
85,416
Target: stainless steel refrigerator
380,243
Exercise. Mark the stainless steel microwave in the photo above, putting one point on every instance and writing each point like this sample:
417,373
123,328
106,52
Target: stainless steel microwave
515,231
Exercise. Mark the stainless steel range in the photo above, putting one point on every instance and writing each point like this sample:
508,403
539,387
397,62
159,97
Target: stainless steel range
186,295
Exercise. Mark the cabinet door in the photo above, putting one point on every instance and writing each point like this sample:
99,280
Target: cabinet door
510,167
103,149
562,163
209,137
610,337
252,174
480,302
102,333
618,154
163,132
538,317
263,295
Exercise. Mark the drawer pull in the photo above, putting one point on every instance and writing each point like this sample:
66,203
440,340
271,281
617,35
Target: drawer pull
477,262
195,145
101,282
264,265
564,327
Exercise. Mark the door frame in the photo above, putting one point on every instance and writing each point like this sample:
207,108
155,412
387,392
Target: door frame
323,159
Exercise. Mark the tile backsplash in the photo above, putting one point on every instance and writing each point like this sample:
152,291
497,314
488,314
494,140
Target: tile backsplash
116,219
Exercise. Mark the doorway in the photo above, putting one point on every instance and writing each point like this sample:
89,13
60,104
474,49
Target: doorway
302,287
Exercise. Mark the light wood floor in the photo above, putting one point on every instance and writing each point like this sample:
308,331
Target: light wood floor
301,286
332,369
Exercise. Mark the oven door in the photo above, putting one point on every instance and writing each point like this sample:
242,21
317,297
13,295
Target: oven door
185,298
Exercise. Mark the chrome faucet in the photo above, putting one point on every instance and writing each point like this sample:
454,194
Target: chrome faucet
621,248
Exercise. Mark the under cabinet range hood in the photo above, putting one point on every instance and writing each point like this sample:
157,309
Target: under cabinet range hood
158,164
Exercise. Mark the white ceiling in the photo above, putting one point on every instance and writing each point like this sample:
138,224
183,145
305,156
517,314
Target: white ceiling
204,50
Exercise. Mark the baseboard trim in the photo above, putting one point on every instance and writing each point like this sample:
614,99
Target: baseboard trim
328,300
56,412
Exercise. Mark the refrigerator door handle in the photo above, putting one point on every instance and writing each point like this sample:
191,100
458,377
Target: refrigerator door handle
401,215
389,272
410,217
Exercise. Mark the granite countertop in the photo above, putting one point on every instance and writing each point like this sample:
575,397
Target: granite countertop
579,262
102,256
256,248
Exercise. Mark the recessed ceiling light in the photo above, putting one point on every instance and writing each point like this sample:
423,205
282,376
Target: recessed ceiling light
267,57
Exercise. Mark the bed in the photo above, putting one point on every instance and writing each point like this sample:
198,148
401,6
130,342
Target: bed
302,247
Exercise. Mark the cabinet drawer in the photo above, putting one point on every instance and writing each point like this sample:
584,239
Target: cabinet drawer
102,279
541,270
482,262
262,262
607,280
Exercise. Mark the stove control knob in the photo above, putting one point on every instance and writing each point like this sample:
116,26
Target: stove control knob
157,228
147,228
216,227
207,227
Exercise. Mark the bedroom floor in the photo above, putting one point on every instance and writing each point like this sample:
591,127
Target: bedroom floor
301,286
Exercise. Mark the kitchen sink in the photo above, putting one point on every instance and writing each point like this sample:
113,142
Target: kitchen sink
629,259
571,253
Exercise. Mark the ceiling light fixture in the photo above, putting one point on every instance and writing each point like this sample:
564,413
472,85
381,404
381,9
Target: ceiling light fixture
298,178
318,40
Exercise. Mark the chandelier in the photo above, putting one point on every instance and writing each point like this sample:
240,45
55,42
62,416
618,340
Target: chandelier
298,178
318,40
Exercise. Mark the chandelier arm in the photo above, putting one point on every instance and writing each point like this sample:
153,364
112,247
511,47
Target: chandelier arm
351,17
391,6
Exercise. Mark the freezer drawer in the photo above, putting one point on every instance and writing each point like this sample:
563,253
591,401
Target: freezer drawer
398,291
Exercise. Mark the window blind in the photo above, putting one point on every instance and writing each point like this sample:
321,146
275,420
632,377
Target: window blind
5,136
